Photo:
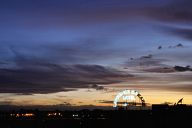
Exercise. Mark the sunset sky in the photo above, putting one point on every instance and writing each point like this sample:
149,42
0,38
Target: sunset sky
83,52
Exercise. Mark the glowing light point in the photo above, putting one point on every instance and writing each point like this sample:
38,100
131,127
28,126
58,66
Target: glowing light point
128,95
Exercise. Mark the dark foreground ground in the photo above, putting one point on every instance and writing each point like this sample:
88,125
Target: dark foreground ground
159,116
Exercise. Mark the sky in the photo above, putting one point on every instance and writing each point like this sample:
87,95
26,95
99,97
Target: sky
83,52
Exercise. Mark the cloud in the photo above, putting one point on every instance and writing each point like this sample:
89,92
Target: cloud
60,14
181,88
97,87
5,101
185,33
78,51
35,69
162,61
120,102
172,17
145,61
182,69
160,69
168,69
53,68
178,11
69,13
149,63
55,78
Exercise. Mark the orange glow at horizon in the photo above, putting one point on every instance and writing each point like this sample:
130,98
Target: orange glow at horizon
85,97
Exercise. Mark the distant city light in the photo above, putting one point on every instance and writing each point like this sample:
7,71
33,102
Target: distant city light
75,115
54,114
22,115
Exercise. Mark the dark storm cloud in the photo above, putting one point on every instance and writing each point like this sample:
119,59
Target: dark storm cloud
56,78
53,68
